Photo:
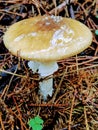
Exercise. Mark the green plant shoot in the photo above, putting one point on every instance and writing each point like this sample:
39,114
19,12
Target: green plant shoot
97,16
36,123
96,32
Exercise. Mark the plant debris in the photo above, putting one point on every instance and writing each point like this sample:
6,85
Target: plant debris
74,104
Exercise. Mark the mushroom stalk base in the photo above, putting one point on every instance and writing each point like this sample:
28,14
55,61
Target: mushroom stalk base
46,88
44,69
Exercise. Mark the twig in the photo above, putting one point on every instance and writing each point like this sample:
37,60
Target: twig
4,105
58,8
9,12
70,117
48,105
8,86
86,121
74,126
2,125
55,4
60,98
18,75
19,113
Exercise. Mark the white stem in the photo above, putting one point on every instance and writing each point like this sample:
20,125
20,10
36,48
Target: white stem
44,69
46,88
33,66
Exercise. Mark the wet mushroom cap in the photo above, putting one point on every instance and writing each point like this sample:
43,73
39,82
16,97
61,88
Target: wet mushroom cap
47,38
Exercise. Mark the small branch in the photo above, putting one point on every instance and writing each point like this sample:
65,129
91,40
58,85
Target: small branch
18,110
9,12
48,105
86,121
70,117
58,9
8,86
2,125
18,75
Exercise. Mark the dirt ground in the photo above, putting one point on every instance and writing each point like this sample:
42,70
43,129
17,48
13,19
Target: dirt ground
74,104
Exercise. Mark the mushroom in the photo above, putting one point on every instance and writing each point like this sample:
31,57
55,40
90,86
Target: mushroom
43,40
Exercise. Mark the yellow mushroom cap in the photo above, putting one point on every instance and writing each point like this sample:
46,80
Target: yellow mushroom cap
47,38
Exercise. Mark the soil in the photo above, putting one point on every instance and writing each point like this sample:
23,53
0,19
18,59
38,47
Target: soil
74,104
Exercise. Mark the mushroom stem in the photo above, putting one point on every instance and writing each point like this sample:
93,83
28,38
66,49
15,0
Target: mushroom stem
46,88
44,69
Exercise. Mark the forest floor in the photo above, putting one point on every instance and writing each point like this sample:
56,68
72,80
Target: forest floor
74,104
